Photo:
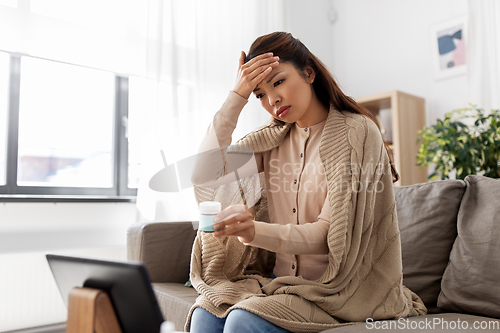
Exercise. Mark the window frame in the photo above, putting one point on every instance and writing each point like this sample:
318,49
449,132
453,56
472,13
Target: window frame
118,192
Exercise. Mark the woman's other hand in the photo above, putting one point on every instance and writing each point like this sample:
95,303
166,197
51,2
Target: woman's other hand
235,221
253,72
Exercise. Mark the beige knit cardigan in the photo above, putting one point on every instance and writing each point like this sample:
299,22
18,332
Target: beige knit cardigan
369,284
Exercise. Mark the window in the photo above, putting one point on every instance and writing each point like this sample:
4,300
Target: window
10,3
141,101
66,116
66,132
111,16
4,106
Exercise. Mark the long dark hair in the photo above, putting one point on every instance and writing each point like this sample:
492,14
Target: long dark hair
291,50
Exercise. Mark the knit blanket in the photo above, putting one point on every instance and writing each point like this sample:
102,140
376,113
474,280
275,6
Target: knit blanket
363,223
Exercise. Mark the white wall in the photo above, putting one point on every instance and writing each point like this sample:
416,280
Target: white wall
28,227
381,45
310,22
29,296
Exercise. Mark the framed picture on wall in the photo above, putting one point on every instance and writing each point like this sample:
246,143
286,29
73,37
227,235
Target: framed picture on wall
449,48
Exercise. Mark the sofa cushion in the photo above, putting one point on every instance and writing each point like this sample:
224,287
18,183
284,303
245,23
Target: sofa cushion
471,280
427,215
164,248
175,301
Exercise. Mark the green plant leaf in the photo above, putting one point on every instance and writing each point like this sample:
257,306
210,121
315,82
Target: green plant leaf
433,176
452,145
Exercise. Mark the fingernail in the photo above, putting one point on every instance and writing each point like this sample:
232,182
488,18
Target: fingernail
270,54
216,234
276,58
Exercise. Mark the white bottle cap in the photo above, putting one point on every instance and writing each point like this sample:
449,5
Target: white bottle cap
167,327
209,207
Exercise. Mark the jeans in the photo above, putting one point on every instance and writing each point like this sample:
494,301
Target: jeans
237,321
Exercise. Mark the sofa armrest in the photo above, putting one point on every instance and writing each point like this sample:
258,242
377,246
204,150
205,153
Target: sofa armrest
164,248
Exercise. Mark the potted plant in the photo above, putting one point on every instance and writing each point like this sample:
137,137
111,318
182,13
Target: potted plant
467,141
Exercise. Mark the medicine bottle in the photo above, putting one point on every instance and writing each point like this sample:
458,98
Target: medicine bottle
208,210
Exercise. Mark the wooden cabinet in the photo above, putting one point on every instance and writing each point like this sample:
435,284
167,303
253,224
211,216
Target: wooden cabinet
406,116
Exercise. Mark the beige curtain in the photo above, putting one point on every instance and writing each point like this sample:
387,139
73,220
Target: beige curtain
484,53
193,52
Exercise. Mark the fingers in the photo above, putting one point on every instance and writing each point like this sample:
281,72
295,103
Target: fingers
260,59
234,223
233,219
259,65
229,212
258,74
253,72
260,77
235,227
242,58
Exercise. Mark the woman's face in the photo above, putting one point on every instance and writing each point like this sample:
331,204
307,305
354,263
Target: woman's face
287,95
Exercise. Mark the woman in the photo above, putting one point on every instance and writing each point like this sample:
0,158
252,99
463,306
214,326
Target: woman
327,209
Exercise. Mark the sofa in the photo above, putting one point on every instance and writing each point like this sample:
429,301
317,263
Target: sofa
450,236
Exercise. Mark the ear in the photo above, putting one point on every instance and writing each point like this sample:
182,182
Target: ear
310,74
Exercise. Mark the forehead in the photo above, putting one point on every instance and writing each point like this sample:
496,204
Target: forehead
281,68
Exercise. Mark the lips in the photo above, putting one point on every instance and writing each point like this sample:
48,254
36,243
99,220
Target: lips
282,111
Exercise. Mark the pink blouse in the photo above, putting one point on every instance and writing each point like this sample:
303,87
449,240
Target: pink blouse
299,210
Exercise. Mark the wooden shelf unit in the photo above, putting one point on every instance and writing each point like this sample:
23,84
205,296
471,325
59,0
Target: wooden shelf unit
407,117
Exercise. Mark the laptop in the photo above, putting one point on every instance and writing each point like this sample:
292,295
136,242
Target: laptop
127,284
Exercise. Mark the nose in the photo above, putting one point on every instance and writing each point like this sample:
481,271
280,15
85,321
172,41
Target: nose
274,99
